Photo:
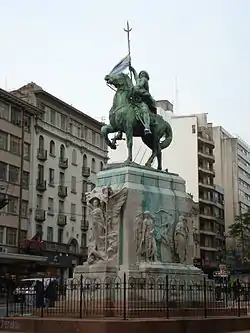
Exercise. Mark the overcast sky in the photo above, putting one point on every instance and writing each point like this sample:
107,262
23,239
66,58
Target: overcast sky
67,47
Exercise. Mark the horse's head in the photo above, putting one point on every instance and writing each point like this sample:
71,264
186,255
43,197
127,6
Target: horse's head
120,80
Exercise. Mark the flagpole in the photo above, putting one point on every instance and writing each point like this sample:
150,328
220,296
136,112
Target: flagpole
128,30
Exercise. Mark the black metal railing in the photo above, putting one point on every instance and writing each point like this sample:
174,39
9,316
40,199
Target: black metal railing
126,297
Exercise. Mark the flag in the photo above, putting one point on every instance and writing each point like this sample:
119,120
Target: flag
121,66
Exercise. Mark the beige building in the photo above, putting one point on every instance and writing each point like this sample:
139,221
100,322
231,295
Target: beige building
11,145
232,172
68,151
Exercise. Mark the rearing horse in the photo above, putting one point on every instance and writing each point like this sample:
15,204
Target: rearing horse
124,116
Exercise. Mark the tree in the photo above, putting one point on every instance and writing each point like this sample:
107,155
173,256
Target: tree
240,231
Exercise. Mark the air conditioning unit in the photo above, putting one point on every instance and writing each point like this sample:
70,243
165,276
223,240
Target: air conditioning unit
3,249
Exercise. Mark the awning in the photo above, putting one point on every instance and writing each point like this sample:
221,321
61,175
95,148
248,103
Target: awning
21,257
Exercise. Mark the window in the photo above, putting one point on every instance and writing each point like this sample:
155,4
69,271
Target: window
11,236
84,186
70,128
61,207
39,229
193,129
39,202
40,173
73,184
27,122
3,171
84,212
83,130
41,142
15,116
23,234
84,239
1,235
25,205
93,138
61,178
26,181
62,151
50,206
74,157
78,131
85,161
13,174
60,235
52,150
3,140
101,166
26,151
50,234
93,165
52,117
4,110
51,176
73,212
15,145
63,122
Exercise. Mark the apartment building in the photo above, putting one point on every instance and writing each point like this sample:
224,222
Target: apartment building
68,152
15,140
232,172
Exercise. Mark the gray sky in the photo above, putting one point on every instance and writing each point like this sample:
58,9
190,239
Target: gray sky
67,47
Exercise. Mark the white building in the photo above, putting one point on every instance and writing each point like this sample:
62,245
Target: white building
67,153
232,172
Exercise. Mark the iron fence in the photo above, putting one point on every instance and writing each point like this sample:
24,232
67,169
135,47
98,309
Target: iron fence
128,297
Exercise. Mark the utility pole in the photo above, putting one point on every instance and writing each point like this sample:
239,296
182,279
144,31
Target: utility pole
21,183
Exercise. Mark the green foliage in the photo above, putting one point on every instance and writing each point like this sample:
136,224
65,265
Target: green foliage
241,227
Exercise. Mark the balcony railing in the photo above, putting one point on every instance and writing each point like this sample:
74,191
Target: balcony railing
61,219
85,172
40,215
62,191
41,185
63,163
41,154
84,225
206,155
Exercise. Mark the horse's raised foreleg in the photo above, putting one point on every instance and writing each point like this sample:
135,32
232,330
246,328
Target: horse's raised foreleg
129,135
105,131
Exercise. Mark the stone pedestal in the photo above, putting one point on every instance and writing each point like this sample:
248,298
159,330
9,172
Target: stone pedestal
162,195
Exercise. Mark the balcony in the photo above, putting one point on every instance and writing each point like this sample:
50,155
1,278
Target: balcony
85,172
206,139
207,232
41,154
61,220
84,225
84,199
62,191
206,201
207,171
208,248
206,185
63,163
41,185
206,155
207,216
40,215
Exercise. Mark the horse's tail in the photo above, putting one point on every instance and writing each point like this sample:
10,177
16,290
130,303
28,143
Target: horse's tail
168,136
